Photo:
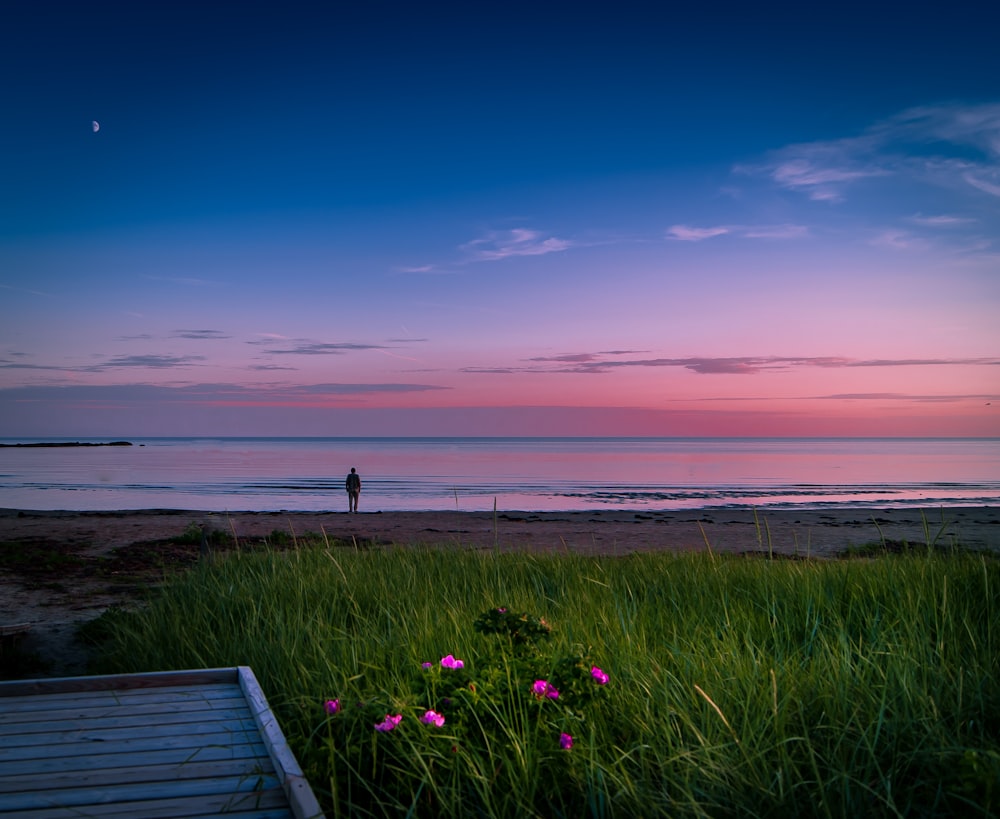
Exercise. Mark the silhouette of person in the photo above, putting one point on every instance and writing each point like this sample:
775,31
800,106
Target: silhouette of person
353,490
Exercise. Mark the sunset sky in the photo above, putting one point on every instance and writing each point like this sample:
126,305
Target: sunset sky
499,219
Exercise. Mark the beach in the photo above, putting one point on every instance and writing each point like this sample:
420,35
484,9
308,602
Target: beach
111,558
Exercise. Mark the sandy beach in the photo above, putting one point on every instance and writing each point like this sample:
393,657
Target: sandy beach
55,601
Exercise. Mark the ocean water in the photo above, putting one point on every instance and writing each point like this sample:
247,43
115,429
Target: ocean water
528,474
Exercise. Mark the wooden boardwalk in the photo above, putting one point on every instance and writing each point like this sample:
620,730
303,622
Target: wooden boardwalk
171,744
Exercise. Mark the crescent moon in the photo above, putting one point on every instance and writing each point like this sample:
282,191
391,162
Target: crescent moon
96,126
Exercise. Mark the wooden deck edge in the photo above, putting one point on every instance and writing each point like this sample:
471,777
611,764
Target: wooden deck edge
104,682
300,796
15,630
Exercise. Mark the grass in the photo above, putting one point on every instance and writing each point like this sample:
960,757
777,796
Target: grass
738,686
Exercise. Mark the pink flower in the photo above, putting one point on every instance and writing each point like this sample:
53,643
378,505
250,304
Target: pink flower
388,724
543,688
599,676
565,741
332,706
451,662
432,718
427,665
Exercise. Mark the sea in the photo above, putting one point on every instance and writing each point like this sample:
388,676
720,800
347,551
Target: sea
480,474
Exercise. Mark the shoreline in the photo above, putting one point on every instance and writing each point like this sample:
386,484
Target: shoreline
56,601
819,531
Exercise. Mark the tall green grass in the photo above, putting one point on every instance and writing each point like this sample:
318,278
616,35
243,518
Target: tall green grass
739,687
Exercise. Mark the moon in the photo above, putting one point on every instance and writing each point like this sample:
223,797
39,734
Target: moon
96,126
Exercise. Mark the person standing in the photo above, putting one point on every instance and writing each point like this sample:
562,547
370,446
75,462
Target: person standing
353,490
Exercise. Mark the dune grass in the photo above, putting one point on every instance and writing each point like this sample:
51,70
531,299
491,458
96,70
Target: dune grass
737,687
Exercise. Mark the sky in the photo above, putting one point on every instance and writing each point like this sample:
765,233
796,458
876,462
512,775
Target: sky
499,219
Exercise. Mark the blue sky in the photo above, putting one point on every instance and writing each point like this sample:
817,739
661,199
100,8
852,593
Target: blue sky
324,219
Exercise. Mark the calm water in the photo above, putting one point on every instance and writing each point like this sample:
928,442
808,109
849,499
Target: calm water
531,474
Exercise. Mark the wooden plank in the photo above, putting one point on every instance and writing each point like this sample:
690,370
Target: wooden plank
136,791
300,795
121,682
103,734
137,716
110,699
37,702
267,805
123,717
166,756
152,705
136,745
46,780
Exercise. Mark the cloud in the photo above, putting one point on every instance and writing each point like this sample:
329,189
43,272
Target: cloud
776,232
897,396
23,290
597,363
686,233
956,145
11,365
977,182
205,394
821,181
152,362
307,347
695,234
356,389
571,358
498,245
188,281
941,221
199,334
899,240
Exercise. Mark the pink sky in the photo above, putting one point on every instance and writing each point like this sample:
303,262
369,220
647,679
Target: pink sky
599,234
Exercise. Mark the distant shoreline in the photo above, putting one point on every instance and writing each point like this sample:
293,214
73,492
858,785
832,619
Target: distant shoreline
44,444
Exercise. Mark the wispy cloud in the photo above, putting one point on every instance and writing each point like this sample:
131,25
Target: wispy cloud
188,281
208,394
199,334
941,221
695,234
148,362
597,363
498,245
956,145
899,396
977,180
307,347
30,292
583,358
899,240
775,232
821,172
687,233
17,365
